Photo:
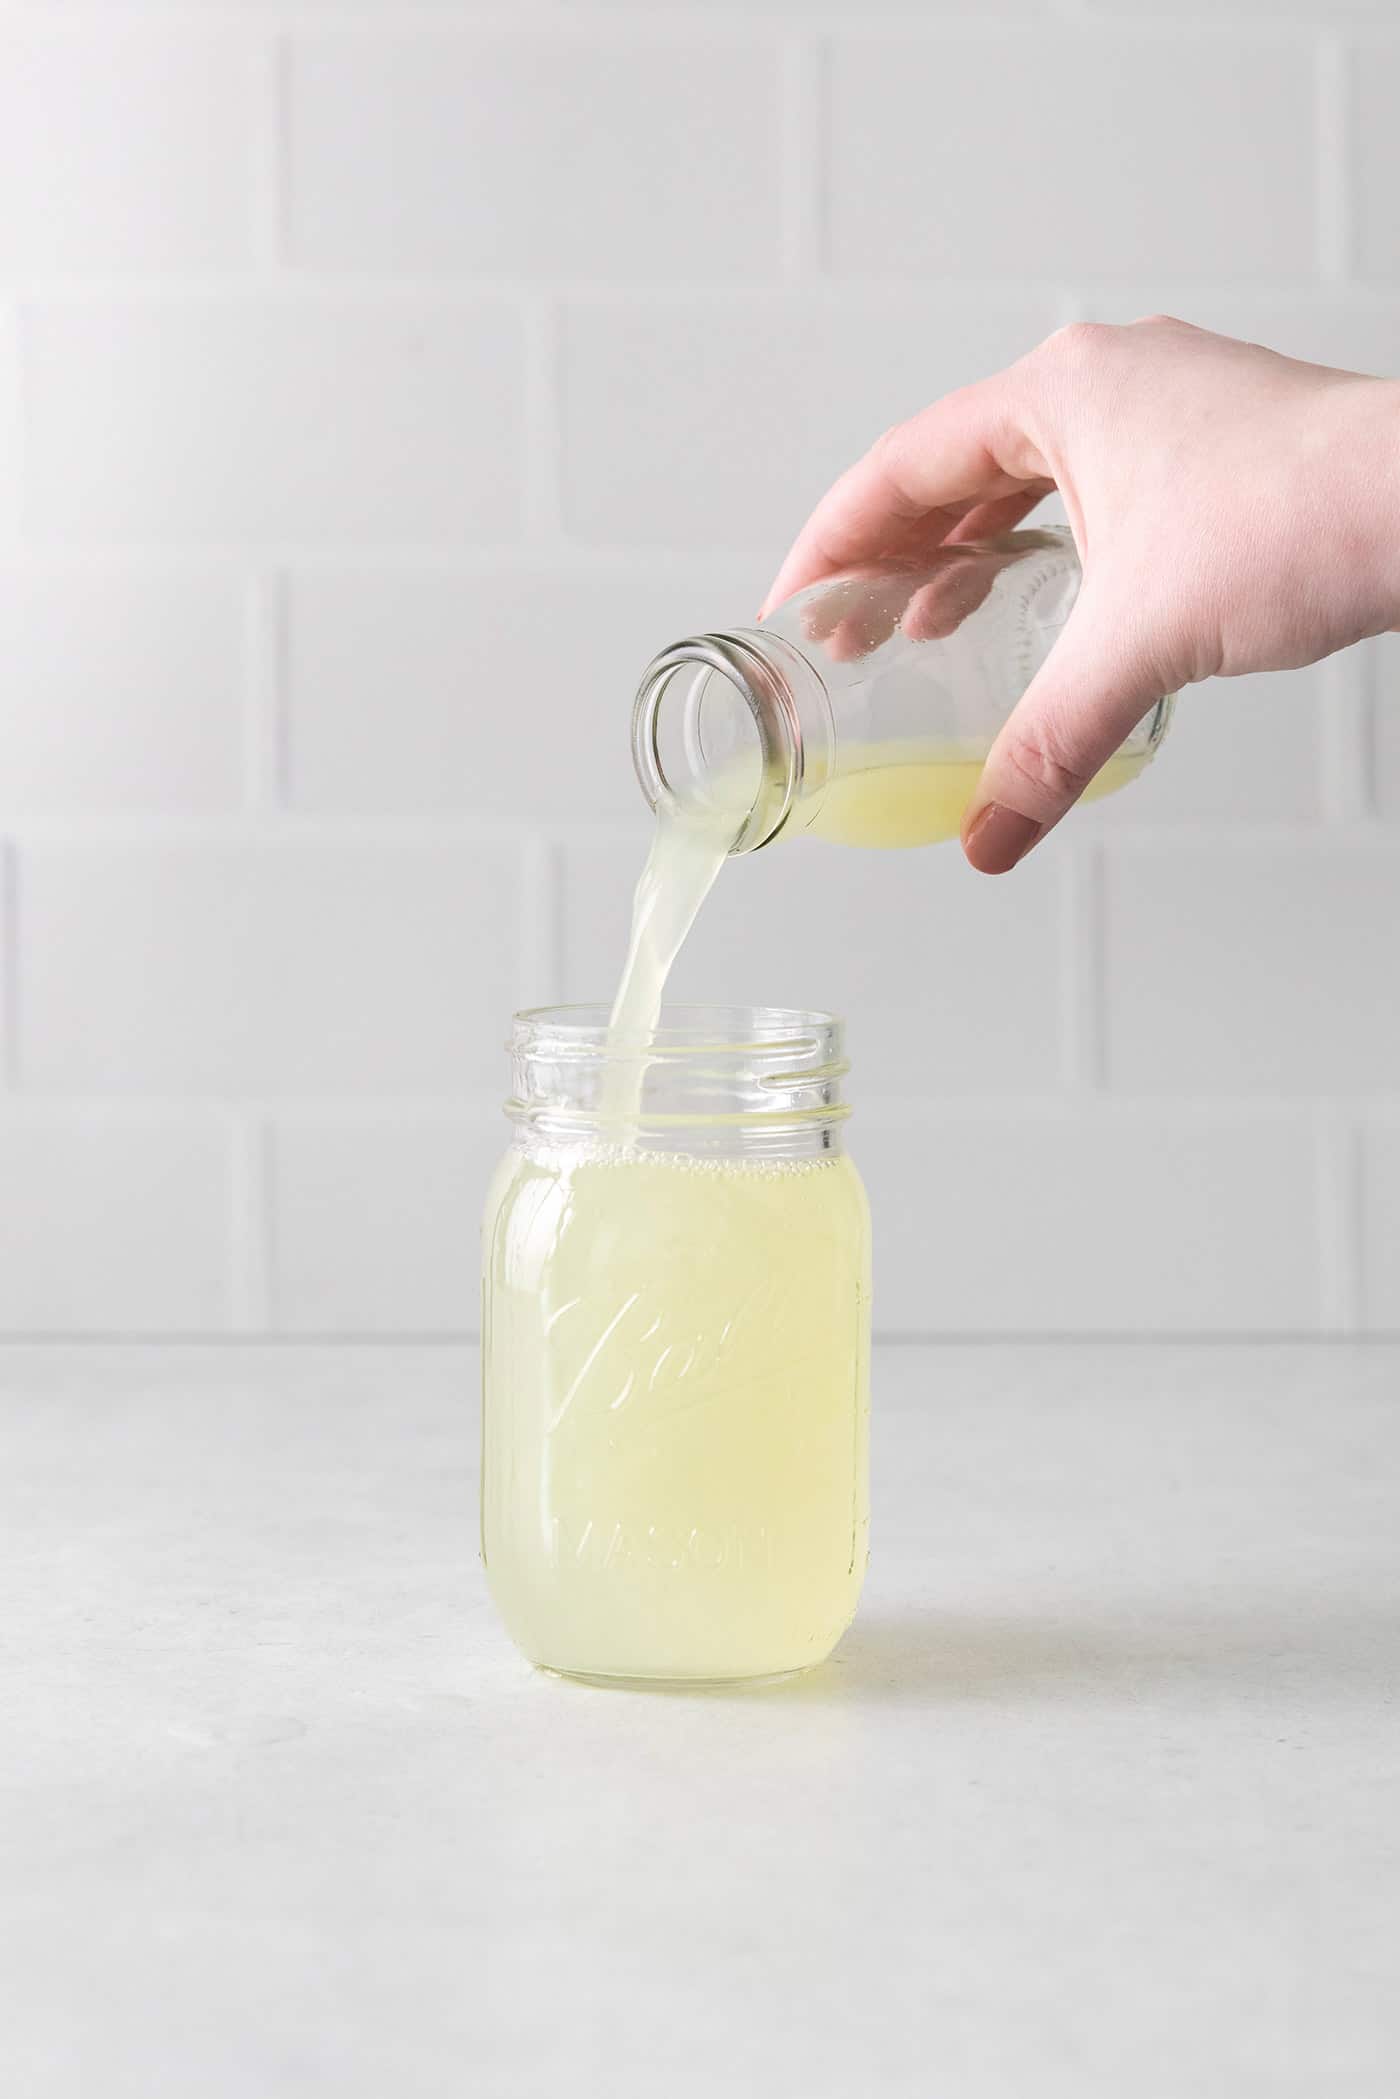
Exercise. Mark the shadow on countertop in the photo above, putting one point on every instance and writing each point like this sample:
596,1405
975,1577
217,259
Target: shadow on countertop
935,1657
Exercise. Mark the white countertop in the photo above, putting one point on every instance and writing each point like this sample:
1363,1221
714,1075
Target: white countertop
1101,1794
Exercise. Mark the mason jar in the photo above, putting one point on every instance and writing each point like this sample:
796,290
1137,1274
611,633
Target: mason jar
863,708
675,1351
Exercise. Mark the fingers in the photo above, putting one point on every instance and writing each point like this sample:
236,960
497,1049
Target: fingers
1089,695
988,520
952,594
918,482
852,617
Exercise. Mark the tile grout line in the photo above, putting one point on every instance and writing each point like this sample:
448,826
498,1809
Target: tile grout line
1336,189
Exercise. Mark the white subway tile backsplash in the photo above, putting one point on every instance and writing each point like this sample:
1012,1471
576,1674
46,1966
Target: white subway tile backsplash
1375,85
345,420
114,1226
1323,13
380,387
266,969
950,983
125,151
1239,749
507,694
537,156
11,439
376,1224
1251,969
1022,1221
821,12
8,960
123,690
717,423
1380,1217
1107,149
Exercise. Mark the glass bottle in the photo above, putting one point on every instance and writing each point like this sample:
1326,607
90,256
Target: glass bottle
675,1351
862,709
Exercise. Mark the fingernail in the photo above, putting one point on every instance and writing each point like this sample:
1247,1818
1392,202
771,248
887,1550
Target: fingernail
998,837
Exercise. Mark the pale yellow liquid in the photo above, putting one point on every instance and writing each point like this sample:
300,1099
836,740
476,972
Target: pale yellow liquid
918,794
676,1349
675,1441
688,849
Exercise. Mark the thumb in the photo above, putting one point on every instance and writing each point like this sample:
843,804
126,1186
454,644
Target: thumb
1089,694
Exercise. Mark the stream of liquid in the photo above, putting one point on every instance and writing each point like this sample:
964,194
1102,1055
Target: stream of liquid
688,848
675,1462
882,795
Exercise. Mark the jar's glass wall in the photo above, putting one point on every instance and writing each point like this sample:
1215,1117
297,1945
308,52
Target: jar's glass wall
675,1390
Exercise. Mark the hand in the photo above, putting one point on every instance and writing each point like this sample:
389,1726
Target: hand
1234,511
929,599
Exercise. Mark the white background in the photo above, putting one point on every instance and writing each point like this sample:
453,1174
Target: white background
381,385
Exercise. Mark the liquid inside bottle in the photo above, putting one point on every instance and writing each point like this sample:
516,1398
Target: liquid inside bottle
863,709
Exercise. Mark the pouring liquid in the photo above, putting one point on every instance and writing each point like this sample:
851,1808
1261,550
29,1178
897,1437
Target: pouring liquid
884,795
677,1489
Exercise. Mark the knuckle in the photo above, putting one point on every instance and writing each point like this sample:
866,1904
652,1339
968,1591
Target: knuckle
1078,342
1043,760
1160,320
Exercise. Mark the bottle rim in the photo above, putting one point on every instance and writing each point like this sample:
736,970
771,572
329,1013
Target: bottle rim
765,671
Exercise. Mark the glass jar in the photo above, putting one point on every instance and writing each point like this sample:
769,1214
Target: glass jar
675,1352
863,708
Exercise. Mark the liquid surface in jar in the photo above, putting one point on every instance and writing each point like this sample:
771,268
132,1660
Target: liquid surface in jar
678,1485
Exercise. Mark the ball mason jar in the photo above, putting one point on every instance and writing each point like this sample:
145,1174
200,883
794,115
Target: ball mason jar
675,1351
862,709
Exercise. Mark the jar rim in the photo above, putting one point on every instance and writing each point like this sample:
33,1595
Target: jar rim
680,1030
710,1079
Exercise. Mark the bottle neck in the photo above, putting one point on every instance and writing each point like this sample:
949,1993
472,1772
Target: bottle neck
739,720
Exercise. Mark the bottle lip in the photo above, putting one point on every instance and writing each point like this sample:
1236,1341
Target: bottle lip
752,664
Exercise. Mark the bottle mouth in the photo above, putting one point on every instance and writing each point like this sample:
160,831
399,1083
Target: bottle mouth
716,726
712,1079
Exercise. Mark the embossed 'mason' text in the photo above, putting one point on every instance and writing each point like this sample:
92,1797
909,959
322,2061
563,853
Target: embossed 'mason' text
605,1545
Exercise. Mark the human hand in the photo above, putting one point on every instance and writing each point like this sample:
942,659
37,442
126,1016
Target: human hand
928,599
1234,511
